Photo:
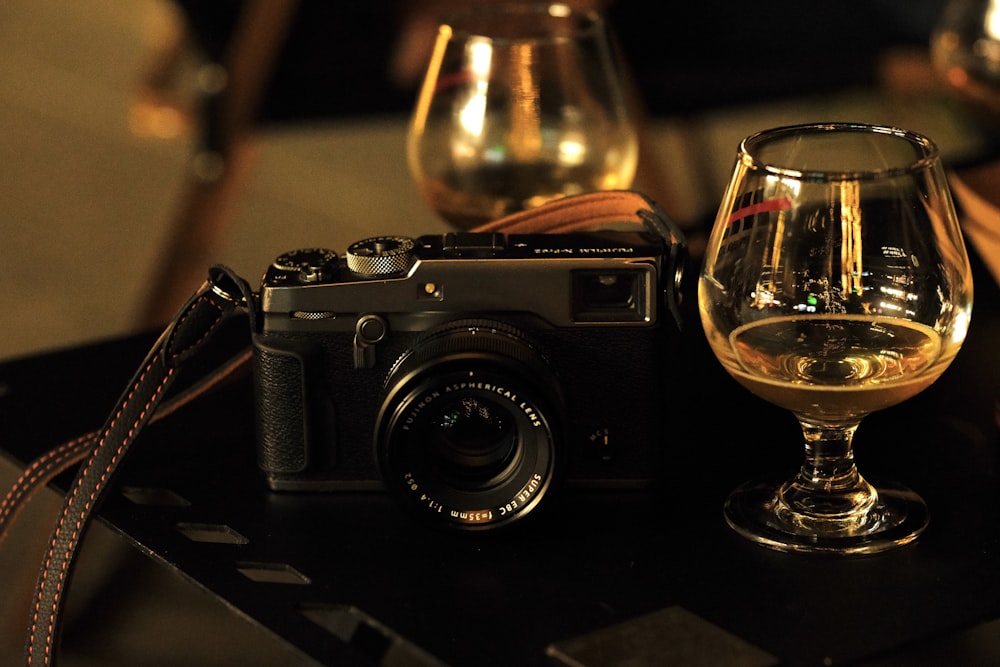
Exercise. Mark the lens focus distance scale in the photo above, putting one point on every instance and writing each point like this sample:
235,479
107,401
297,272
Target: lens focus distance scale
380,255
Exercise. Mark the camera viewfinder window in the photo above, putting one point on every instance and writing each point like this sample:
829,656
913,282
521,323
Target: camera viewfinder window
609,296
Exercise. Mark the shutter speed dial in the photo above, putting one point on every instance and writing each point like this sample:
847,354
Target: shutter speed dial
381,255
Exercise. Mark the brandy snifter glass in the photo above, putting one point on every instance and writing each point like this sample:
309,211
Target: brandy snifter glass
835,283
521,104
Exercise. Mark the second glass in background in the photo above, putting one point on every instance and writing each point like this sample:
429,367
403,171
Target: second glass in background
521,104
965,53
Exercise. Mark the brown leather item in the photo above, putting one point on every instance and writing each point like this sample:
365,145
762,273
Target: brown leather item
147,396
591,211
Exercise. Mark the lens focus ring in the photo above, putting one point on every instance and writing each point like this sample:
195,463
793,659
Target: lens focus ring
470,429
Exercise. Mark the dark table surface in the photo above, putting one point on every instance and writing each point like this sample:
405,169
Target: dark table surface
348,579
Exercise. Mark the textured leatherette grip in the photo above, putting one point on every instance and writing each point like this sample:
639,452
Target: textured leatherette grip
280,395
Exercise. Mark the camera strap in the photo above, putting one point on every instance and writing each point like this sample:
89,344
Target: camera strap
183,365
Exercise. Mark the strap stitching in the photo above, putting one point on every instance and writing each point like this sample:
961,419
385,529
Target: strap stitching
63,519
40,469
84,474
204,335
58,459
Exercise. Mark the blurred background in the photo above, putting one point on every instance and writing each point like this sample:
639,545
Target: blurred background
101,123
103,126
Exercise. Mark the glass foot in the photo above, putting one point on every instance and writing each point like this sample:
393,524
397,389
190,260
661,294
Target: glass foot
757,511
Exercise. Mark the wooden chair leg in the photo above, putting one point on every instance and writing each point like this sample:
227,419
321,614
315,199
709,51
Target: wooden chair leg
196,234
201,219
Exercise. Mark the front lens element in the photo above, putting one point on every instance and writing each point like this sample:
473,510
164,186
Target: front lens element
474,441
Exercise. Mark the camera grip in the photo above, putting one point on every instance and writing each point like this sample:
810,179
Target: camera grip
283,411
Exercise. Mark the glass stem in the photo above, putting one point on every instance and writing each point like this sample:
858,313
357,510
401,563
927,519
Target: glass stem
828,487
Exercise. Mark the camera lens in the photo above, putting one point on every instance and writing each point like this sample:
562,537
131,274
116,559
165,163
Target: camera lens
468,434
473,441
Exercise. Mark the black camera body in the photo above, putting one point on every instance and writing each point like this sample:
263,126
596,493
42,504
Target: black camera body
468,373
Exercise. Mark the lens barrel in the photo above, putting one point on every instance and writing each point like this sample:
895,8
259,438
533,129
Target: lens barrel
469,433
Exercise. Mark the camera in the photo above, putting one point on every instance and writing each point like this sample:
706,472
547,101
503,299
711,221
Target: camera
468,374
